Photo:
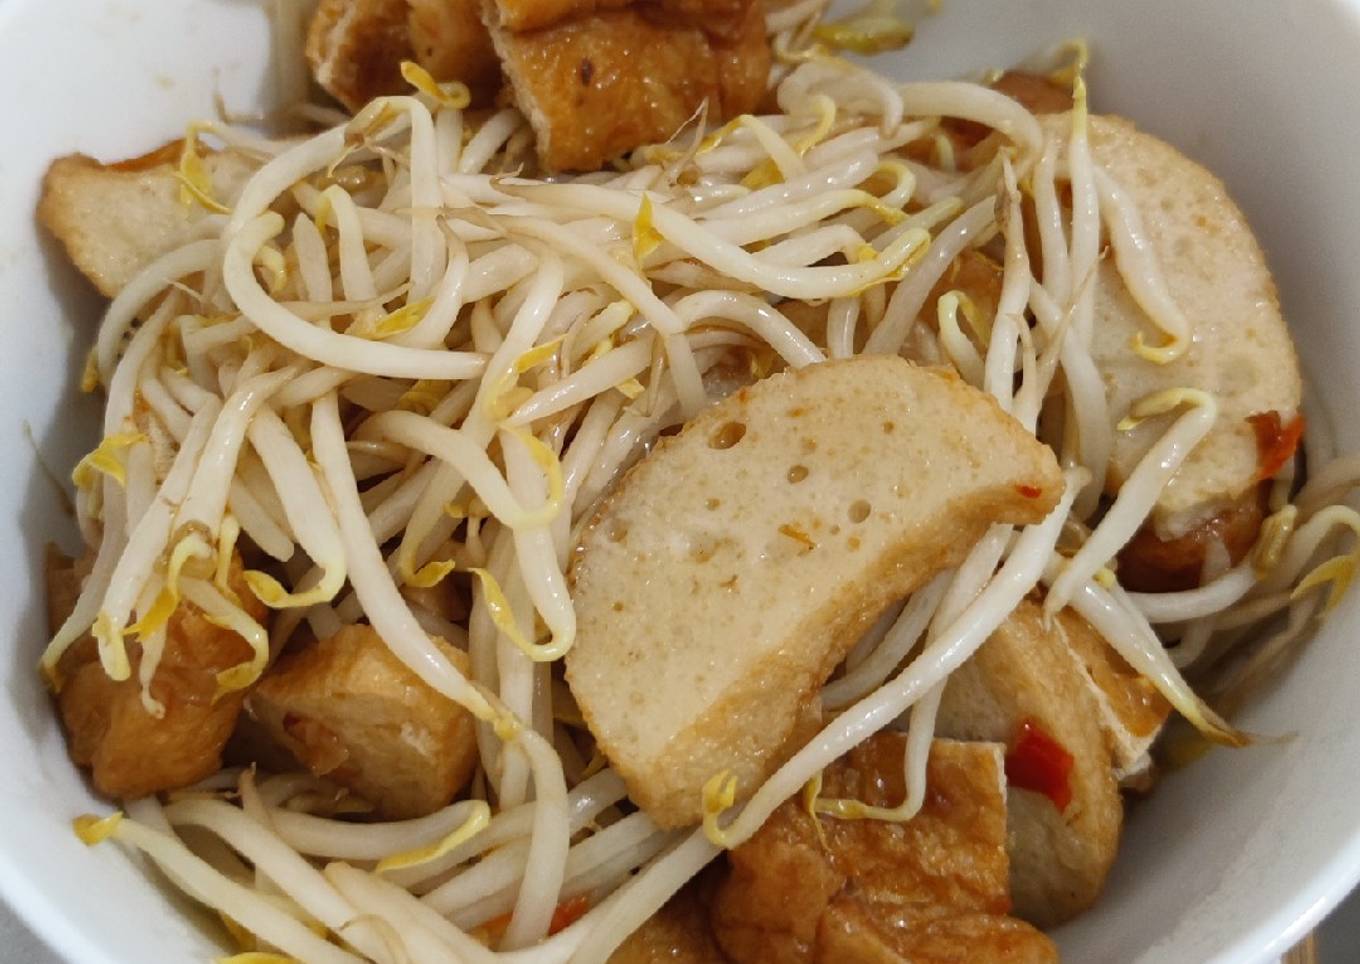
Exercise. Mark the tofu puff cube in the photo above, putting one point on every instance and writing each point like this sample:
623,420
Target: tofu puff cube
355,47
931,889
352,712
1035,682
115,219
598,86
734,567
130,751
678,933
595,78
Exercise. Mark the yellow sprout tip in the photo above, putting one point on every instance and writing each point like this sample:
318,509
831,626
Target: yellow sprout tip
244,939
1080,121
889,215
158,615
865,36
469,828
266,588
238,677
1160,355
762,175
505,726
107,458
551,467
498,606
1337,572
112,649
719,794
537,355
92,830
194,183
453,95
713,140
826,119
646,238
400,321
1160,403
430,574
423,396
811,791
1274,536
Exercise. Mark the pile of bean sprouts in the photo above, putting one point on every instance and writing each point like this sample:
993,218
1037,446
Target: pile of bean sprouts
397,356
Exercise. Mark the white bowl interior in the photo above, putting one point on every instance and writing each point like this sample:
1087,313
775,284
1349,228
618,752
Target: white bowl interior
1232,859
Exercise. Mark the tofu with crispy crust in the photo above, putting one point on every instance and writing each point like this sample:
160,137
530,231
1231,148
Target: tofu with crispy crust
1027,673
355,48
741,560
850,932
591,93
931,889
679,933
130,752
350,711
595,78
449,40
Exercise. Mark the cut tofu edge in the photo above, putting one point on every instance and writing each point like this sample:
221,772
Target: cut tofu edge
355,48
792,513
1132,711
350,710
1026,672
866,890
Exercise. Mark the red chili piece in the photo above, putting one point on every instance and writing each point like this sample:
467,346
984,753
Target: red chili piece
568,912
1029,491
1276,443
1038,762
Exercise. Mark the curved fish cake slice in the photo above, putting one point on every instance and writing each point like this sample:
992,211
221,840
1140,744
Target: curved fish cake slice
735,566
1215,271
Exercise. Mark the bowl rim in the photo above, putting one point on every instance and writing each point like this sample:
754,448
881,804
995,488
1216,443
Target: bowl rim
45,918
1294,918
42,913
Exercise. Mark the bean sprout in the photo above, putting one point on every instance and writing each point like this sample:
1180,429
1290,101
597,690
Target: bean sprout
402,351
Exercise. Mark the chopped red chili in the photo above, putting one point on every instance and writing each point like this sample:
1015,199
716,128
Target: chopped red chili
1276,443
1029,491
1038,762
568,912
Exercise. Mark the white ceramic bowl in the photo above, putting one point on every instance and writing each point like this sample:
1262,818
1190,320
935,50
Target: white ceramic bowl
1232,860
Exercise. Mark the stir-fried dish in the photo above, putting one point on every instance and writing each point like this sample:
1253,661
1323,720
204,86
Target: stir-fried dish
644,486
